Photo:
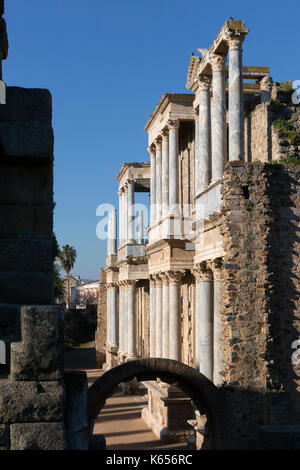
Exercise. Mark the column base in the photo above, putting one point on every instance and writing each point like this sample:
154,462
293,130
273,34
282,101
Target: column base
111,356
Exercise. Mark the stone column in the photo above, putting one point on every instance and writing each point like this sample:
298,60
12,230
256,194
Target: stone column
173,166
158,316
196,167
121,319
125,318
175,278
158,182
235,100
125,214
165,172
131,334
152,316
217,332
112,334
109,247
206,324
165,315
218,115
265,89
152,185
204,174
131,212
140,227
120,193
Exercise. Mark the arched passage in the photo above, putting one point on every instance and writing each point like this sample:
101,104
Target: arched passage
206,396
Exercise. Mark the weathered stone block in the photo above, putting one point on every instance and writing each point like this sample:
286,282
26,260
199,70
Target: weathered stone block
26,287
31,253
27,104
26,220
40,354
10,325
4,437
77,420
31,401
37,436
26,184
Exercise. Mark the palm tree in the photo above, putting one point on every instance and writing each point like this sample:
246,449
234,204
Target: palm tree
67,257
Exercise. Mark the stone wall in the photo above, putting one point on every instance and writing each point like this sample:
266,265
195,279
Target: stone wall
32,392
261,315
100,338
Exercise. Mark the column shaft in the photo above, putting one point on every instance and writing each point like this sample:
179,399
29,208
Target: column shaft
158,313
114,231
206,329
140,227
152,187
125,320
173,166
165,174
152,319
217,335
158,180
204,134
131,213
218,116
236,107
121,319
165,319
131,349
196,170
125,215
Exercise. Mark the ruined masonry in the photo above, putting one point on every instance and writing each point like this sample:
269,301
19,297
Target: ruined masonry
216,284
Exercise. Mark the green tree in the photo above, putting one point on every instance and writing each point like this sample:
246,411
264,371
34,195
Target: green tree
67,257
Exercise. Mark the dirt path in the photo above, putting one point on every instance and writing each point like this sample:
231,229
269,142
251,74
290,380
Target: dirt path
119,421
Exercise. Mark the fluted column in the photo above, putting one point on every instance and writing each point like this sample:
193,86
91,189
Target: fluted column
158,316
165,315
140,227
131,345
152,315
131,212
265,89
158,146
121,319
165,172
204,174
204,320
125,213
173,167
175,278
196,168
125,317
235,99
218,115
112,333
218,365
152,185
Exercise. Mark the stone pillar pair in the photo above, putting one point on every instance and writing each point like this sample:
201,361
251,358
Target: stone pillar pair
208,325
165,315
164,173
127,320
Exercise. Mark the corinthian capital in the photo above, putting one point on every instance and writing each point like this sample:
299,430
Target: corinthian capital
218,62
151,150
175,277
173,125
266,83
202,272
204,82
158,143
235,39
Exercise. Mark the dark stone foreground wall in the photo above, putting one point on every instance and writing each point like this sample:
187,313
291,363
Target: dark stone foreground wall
32,389
261,305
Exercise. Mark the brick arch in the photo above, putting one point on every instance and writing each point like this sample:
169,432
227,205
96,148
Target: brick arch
207,398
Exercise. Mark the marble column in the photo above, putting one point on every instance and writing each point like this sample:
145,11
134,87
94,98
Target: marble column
196,166
204,174
152,317
198,277
125,318
112,334
131,344
109,247
265,89
218,116
152,185
165,172
206,324
131,212
165,315
158,316
218,365
120,193
125,214
121,319
175,278
158,211
173,167
235,99
140,227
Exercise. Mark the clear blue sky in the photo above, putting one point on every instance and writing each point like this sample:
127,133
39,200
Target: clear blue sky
106,63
